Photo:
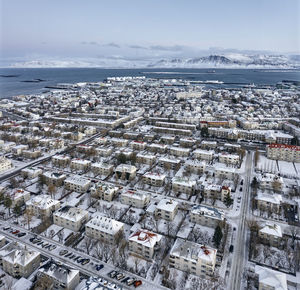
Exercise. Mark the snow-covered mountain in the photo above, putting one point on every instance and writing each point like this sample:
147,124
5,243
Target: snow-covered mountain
230,61
233,60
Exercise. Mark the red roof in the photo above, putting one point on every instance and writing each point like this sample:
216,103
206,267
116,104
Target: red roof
284,146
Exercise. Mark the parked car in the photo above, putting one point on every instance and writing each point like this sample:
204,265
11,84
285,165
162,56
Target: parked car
21,235
99,267
15,232
125,280
130,281
85,261
137,283
113,274
231,248
120,276
63,252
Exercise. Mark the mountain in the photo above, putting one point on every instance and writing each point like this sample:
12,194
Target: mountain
230,61
233,60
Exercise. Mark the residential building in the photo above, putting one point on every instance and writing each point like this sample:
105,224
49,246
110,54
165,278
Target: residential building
268,202
180,151
196,259
183,185
77,183
290,153
42,205
102,168
31,172
145,158
269,279
135,198
125,171
104,191
55,178
169,162
229,158
5,164
166,209
80,164
18,196
154,178
195,166
61,160
207,216
271,234
204,154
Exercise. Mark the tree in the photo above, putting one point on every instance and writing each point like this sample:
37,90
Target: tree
88,243
7,203
228,201
28,217
52,190
17,210
121,158
256,157
204,132
217,236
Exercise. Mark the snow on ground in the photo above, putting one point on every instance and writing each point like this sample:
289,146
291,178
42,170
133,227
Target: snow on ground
287,169
266,165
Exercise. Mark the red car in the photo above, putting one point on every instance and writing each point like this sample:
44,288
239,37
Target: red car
137,283
15,232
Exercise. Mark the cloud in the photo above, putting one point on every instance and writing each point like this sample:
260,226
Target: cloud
89,43
167,48
137,46
112,44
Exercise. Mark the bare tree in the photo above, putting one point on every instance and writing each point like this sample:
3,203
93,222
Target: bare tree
88,242
28,216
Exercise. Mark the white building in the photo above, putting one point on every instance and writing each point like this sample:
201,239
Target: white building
102,168
104,191
166,209
55,178
104,228
136,198
180,151
72,218
126,171
5,164
271,233
204,154
270,280
145,158
197,259
183,185
77,183
80,164
284,152
206,216
195,166
18,196
144,243
42,205
154,178
31,172
229,158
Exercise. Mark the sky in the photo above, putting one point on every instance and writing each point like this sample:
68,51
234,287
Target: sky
138,29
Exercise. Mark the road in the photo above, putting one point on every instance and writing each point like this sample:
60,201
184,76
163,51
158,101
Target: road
87,269
47,158
240,248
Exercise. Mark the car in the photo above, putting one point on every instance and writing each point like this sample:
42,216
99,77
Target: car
63,252
45,245
99,267
85,261
15,232
52,247
231,248
120,276
113,274
35,241
80,260
76,258
241,189
125,280
137,283
130,281
242,182
40,243
21,235
234,228
68,255
6,228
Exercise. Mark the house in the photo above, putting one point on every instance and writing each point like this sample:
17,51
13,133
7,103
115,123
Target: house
187,142
169,163
195,166
204,154
159,148
166,209
104,191
270,181
144,243
42,205
145,158
270,279
268,202
77,183
21,262
31,172
125,171
208,144
271,234
31,154
183,185
197,259
104,228
80,164
180,151
72,218
18,149
102,168
290,153
55,178
138,145
229,158
135,198
224,172
18,196
60,276
154,179
206,216
5,164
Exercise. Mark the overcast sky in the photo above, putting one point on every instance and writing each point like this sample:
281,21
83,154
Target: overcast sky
141,29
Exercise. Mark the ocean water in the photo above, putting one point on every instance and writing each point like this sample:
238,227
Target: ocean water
232,78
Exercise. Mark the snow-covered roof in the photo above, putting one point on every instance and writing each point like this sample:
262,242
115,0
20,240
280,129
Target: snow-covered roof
204,152
105,224
193,252
42,201
155,175
145,238
21,257
275,279
275,198
81,161
54,175
272,229
78,180
183,181
208,211
136,194
102,165
126,168
167,205
22,284
71,213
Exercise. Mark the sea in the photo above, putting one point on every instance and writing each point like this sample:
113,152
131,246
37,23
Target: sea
21,81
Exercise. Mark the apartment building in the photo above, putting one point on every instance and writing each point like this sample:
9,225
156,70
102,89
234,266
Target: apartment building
270,181
125,171
204,154
158,148
104,151
154,178
31,172
21,262
104,191
271,234
60,276
145,158
196,259
212,191
102,168
80,164
229,158
119,142
55,178
269,279
31,154
5,164
104,228
225,172
18,196
195,166
166,209
268,202
77,183
138,145
144,243
183,185
69,217
61,160
180,151
208,145
136,198
42,205
187,142
169,163
206,216
290,153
